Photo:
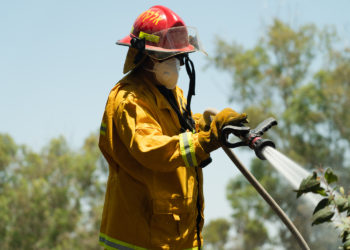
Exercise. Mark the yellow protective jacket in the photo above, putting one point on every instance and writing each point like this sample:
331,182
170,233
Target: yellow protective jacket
154,179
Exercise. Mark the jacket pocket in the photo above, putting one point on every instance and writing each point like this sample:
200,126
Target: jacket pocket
171,221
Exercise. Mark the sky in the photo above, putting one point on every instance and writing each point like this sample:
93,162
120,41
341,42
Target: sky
59,60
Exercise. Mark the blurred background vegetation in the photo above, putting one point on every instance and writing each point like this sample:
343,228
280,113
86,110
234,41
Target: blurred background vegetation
300,76
53,199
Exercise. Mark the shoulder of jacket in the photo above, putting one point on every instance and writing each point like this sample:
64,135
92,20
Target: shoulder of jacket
131,89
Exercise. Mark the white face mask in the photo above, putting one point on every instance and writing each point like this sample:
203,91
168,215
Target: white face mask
167,72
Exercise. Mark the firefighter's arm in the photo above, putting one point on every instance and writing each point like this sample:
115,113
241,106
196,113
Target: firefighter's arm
143,136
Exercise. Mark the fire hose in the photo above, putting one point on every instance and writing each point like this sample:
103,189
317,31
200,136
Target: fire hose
252,138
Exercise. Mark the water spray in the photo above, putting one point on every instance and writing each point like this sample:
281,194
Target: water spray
253,139
291,171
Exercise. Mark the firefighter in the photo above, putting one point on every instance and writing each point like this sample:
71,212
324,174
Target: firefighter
153,144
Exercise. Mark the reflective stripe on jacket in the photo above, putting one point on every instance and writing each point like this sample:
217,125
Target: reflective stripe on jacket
151,194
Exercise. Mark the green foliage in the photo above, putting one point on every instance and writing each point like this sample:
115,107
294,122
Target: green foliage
215,234
334,208
51,199
330,176
311,184
300,76
250,229
323,215
322,204
8,150
254,233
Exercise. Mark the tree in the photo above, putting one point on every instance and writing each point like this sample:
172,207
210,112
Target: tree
216,233
50,200
301,77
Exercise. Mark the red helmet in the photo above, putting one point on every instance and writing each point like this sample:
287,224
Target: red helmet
165,33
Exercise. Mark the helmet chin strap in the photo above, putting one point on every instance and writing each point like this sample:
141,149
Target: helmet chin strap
192,75
139,44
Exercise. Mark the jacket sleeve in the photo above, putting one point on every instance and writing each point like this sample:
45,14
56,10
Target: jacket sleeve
142,135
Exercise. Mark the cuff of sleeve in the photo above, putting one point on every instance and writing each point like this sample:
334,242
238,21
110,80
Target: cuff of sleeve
205,162
200,152
191,151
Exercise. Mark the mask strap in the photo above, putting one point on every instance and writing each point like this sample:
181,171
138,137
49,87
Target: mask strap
192,75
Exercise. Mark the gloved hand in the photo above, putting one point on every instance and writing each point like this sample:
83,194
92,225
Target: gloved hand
201,125
209,140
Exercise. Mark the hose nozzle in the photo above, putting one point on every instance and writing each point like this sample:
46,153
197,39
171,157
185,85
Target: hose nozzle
249,137
258,146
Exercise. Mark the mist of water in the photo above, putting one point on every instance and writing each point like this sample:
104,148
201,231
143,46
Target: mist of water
294,174
290,170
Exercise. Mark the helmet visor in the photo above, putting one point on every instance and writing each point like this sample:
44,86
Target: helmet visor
169,42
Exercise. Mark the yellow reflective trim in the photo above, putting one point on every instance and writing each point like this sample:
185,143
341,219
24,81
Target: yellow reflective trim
103,128
183,150
187,149
193,155
132,30
113,244
149,37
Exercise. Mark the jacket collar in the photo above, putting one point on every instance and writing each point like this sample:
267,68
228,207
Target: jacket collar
161,101
141,77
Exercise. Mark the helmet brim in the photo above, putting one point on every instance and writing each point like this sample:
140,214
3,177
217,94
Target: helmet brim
158,52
